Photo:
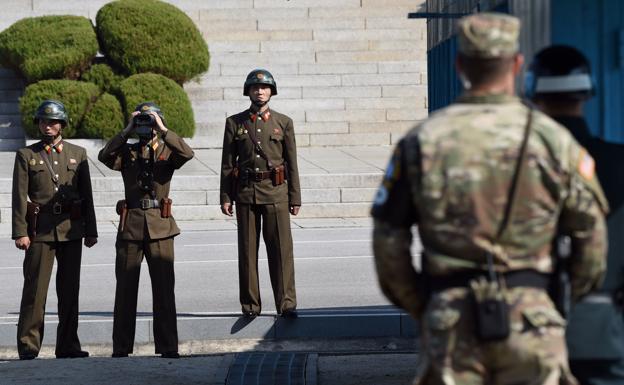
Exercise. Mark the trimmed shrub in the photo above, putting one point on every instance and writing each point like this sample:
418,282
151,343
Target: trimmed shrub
166,93
104,120
151,36
49,47
105,78
76,96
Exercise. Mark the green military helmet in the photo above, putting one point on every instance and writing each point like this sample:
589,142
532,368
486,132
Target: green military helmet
149,106
51,110
260,76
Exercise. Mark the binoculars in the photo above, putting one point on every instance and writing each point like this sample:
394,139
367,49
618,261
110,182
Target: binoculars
143,124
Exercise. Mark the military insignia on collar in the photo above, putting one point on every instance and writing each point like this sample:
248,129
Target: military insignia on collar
32,162
260,75
72,161
48,110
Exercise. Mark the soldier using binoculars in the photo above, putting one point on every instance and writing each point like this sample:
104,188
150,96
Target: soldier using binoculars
146,226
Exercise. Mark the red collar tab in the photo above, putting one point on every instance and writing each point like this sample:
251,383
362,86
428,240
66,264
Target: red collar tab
264,116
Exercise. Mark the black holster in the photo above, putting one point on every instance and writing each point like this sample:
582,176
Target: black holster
32,214
491,310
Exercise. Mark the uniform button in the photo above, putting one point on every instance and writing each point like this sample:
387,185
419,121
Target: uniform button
259,130
56,189
56,175
55,162
257,169
258,142
257,156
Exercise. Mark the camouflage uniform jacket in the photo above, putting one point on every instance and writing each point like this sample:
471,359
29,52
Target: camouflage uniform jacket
451,176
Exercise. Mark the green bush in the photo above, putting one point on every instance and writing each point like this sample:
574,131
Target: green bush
151,36
105,78
77,97
166,93
104,120
49,47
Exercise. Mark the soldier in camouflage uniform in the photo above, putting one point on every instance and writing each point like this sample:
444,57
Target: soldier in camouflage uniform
452,176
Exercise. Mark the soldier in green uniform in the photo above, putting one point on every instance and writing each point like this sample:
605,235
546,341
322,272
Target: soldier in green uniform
490,183
146,227
53,176
259,172
559,82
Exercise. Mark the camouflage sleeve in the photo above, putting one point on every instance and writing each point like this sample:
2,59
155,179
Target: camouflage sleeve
583,219
394,215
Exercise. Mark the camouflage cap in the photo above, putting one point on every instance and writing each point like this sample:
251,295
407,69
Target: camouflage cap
488,35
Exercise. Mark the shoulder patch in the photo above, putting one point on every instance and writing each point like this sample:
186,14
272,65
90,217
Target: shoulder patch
586,165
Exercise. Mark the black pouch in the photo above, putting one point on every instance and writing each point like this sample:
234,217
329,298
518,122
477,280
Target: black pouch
491,311
75,212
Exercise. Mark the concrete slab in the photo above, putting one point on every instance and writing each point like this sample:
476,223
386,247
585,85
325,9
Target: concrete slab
192,329
310,223
207,225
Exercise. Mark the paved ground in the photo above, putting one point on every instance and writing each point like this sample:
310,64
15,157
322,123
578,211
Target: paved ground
380,350
311,362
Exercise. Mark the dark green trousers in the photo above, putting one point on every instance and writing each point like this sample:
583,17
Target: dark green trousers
159,256
274,221
38,264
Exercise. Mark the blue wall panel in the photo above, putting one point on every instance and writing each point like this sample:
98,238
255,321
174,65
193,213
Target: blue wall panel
444,86
594,27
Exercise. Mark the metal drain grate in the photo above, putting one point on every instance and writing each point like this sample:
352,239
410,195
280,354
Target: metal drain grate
268,368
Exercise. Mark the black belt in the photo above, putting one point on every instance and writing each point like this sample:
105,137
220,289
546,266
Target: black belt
258,176
519,278
56,208
144,204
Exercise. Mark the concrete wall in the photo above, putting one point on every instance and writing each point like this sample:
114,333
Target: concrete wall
349,72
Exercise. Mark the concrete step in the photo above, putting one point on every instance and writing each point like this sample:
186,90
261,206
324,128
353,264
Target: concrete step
11,144
367,321
12,84
7,96
9,108
213,212
211,197
11,127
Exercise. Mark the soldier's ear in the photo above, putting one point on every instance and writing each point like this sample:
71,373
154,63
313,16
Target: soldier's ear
518,63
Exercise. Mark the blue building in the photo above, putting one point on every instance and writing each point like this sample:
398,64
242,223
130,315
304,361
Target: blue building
596,27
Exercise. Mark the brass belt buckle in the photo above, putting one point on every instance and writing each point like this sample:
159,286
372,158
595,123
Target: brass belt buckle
57,208
145,204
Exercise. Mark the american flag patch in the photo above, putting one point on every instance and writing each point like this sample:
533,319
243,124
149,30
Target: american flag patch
586,165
